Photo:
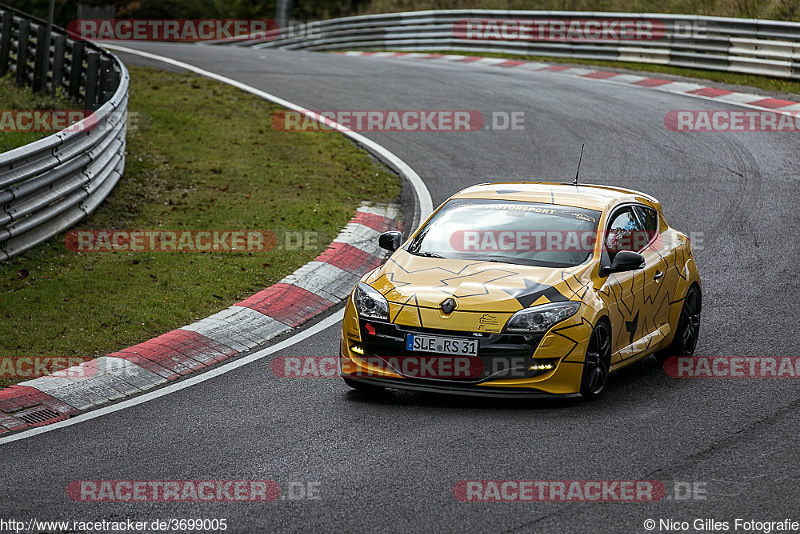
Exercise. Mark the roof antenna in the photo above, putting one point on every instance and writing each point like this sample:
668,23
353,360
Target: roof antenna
575,183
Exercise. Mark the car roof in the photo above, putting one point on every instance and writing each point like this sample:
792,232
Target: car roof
589,196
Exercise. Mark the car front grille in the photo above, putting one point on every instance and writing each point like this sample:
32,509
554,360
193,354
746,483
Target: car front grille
499,355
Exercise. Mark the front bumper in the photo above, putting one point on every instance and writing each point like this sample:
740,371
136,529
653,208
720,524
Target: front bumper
564,347
472,391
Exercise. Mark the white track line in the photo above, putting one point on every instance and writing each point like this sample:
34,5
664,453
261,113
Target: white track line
425,205
183,384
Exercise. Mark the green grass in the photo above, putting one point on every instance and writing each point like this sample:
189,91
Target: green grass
204,157
775,85
21,98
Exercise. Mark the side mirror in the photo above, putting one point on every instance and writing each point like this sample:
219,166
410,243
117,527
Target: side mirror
390,241
624,260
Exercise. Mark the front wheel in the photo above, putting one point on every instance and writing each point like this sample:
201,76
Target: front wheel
597,363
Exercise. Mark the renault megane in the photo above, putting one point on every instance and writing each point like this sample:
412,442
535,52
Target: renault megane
524,290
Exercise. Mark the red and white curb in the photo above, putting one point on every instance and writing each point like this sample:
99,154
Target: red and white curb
692,89
307,292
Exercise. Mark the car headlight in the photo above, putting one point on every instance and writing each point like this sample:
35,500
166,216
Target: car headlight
370,304
539,319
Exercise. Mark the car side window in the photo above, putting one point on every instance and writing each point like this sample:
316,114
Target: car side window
624,233
649,218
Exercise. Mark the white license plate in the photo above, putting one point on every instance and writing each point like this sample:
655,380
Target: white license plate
441,344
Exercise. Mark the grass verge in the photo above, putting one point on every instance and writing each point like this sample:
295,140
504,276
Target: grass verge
201,155
13,97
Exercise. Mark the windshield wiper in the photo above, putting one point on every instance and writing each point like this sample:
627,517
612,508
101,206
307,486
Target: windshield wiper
428,254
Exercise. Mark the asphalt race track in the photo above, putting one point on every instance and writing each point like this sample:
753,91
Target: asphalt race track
390,463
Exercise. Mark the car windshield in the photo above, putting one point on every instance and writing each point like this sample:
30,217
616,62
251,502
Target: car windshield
524,233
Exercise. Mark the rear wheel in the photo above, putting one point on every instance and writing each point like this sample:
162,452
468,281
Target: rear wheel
597,363
686,335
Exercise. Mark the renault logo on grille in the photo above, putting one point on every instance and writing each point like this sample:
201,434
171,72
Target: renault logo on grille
448,305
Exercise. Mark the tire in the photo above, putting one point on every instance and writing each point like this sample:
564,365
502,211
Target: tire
686,335
360,386
597,363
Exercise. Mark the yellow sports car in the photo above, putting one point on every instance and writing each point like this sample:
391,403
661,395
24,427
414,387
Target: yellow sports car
524,290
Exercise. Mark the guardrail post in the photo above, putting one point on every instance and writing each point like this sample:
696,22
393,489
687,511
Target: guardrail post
76,70
92,68
40,63
22,52
105,66
113,83
109,79
5,40
59,42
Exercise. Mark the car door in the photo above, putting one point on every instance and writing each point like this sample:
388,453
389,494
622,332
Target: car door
670,248
654,307
625,291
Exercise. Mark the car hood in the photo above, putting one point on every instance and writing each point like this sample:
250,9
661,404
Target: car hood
477,286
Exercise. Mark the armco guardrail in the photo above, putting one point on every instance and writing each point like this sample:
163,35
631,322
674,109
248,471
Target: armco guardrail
49,185
763,47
